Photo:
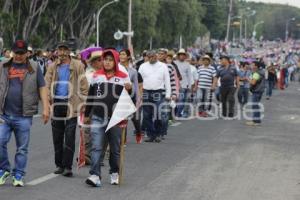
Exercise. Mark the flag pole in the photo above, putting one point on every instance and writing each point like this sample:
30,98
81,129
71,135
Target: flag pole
121,170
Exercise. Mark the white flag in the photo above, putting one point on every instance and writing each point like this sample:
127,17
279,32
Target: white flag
124,108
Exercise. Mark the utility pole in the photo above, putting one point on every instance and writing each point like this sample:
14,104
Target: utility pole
229,21
129,42
246,29
241,29
180,42
61,32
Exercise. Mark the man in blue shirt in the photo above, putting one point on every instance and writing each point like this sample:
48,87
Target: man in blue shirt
229,83
244,74
21,85
68,87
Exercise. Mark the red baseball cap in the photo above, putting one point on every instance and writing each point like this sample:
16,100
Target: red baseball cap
20,46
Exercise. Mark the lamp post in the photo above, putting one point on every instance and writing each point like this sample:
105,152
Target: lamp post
228,21
287,27
98,15
253,12
254,29
129,42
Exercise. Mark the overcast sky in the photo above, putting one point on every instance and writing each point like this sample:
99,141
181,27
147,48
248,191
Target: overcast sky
290,2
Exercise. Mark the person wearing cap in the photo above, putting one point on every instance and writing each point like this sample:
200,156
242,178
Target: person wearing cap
206,78
229,79
68,86
21,86
157,90
185,83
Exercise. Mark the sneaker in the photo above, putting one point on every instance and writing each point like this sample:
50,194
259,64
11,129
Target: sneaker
18,180
4,175
157,140
59,170
138,138
114,179
93,181
67,173
149,140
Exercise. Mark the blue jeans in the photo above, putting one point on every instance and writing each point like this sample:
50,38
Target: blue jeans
243,94
98,136
256,98
204,97
155,113
21,128
183,94
270,88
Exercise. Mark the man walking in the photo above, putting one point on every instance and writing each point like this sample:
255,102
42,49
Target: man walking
157,90
257,89
206,78
185,83
21,85
229,83
68,87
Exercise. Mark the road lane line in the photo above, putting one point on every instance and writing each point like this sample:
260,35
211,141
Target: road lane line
176,124
42,179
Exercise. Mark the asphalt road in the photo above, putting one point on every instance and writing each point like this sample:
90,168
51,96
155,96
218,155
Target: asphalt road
200,160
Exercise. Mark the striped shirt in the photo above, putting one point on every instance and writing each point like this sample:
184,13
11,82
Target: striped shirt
172,79
206,76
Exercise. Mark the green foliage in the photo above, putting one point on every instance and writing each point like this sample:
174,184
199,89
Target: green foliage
162,20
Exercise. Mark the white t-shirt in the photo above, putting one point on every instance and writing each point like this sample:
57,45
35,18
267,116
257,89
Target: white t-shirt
156,77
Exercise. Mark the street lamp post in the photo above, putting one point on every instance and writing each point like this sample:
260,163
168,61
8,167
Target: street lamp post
98,15
129,42
287,27
253,12
254,29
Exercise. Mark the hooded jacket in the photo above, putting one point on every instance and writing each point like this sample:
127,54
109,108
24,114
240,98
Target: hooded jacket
104,91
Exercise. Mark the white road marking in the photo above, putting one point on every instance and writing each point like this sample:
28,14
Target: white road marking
42,179
176,124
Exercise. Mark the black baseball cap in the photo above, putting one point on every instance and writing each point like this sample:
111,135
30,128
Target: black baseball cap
63,44
225,57
20,46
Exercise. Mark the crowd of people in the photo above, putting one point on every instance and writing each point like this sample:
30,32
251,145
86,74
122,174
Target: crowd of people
165,85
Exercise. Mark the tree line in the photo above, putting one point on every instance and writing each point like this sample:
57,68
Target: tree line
45,22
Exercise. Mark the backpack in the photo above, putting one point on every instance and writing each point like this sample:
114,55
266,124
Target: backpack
260,84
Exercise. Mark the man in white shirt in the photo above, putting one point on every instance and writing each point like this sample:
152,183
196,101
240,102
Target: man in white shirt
186,82
157,90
